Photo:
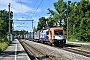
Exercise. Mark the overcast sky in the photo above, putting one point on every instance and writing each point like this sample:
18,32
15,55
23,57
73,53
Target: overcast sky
28,9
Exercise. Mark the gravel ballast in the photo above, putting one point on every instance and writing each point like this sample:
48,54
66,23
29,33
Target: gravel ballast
62,53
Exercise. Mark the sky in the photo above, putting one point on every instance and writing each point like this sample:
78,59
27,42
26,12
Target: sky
28,10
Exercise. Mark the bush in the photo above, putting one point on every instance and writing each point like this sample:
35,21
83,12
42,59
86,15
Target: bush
3,43
3,46
72,38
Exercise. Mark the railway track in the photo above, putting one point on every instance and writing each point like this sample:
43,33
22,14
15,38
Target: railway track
27,49
77,51
80,45
71,48
81,49
37,53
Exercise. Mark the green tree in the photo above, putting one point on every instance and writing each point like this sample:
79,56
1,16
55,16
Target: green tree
78,14
4,17
2,26
60,7
35,29
84,16
52,20
72,17
42,23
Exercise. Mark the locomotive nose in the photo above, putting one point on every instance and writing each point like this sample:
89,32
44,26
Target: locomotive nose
59,37
62,37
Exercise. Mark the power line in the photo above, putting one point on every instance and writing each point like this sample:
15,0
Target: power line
36,9
34,5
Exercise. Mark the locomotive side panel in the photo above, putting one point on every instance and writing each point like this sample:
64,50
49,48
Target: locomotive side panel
43,36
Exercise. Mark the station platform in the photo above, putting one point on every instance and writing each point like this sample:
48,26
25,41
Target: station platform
15,51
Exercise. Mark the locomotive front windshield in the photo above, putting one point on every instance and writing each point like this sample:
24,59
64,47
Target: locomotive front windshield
58,32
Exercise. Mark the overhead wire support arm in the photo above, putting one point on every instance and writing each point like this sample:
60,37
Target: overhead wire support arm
27,20
23,20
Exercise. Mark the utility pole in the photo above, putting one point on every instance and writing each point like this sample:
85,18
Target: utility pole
67,27
13,30
67,16
67,21
32,24
9,21
32,29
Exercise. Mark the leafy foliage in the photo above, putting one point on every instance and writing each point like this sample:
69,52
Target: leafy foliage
4,24
22,32
42,23
78,14
4,21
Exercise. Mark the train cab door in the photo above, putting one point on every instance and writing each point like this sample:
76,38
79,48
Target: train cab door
50,36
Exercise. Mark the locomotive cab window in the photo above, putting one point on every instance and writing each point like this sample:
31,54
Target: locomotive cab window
58,32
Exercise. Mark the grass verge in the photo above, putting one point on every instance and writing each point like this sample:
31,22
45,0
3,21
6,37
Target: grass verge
3,45
75,40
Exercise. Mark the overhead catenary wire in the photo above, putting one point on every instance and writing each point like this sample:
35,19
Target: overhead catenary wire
21,12
36,9
34,6
21,15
